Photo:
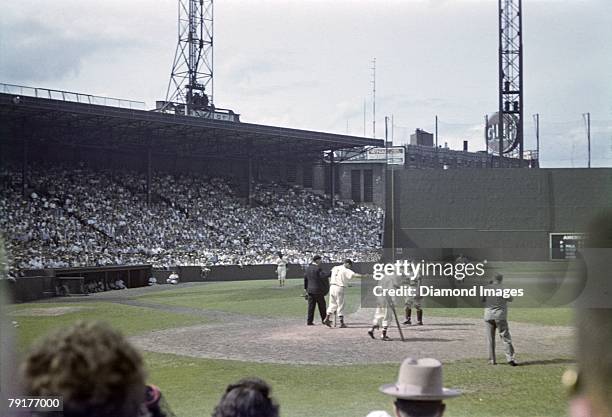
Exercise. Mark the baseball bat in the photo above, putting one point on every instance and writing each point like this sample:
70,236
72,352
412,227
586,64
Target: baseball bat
392,306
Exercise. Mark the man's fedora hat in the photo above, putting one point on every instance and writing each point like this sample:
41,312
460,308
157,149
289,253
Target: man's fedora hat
419,380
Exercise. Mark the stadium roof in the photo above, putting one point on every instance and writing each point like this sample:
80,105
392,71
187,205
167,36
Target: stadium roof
64,122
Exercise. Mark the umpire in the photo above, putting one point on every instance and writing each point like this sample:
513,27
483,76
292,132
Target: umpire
316,285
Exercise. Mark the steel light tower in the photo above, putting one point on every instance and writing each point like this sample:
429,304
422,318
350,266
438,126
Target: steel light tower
191,80
511,77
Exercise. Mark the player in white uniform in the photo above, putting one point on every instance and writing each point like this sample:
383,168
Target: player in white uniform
383,314
173,278
340,275
281,270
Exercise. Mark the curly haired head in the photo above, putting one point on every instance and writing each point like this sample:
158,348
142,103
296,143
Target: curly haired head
248,397
92,366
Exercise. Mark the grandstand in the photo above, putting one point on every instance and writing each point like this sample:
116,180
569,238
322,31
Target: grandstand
84,184
75,216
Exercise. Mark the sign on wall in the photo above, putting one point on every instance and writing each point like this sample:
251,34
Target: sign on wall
492,131
394,155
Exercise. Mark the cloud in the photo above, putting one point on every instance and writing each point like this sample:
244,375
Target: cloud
38,53
35,52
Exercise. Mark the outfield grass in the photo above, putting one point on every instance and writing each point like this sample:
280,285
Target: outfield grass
193,386
546,316
261,298
246,297
531,268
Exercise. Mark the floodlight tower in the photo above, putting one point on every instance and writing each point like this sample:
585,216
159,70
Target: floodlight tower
511,77
191,80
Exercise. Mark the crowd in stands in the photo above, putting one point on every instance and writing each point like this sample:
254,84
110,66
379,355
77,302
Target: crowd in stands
78,216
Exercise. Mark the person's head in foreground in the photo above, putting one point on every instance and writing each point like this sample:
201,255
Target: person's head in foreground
248,397
418,391
8,372
316,259
93,367
348,263
592,384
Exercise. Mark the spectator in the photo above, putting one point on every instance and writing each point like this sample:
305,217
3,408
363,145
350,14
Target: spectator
247,398
418,391
96,371
8,351
592,384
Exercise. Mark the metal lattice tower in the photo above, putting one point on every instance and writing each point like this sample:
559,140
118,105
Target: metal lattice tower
191,80
511,77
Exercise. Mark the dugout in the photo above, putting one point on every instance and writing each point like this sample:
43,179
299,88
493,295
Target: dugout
132,275
36,284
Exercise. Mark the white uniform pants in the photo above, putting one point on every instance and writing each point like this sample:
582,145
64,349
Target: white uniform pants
336,300
382,315
282,274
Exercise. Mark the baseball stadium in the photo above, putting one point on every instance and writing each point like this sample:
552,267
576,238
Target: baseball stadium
231,267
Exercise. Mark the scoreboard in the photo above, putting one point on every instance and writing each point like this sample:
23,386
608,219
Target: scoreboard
565,245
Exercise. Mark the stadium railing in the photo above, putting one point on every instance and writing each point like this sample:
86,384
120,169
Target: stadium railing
70,96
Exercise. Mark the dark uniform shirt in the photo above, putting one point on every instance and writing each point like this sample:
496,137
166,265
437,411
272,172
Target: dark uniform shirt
316,281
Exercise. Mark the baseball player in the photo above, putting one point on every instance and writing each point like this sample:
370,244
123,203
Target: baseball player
383,314
340,275
281,270
496,318
414,301
173,278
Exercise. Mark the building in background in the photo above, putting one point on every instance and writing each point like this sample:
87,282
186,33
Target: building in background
421,137
360,174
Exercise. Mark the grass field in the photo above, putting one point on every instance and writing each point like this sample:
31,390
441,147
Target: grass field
246,297
193,386
127,319
261,298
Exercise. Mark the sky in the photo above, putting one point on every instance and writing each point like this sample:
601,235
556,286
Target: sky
307,63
